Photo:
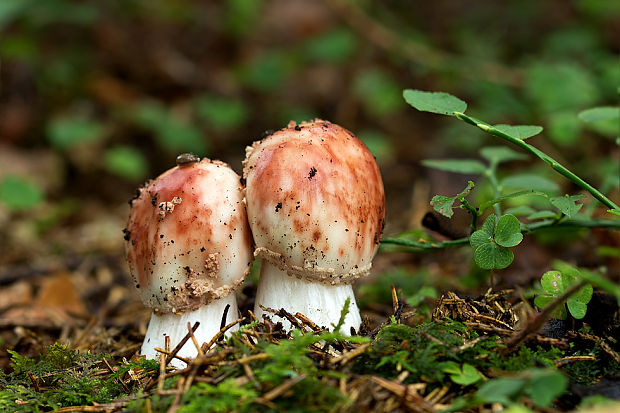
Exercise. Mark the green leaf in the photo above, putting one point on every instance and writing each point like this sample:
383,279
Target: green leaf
530,181
551,281
69,131
268,70
489,256
519,131
241,16
498,154
468,375
500,390
378,144
379,92
556,282
126,162
584,295
443,204
570,274
602,282
171,131
489,224
461,195
548,85
222,113
19,194
563,128
480,237
567,204
9,10
485,233
434,102
421,294
577,308
463,166
601,113
451,367
508,232
336,46
545,386
543,301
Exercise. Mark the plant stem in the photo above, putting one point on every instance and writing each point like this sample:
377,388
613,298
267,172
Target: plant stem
490,173
555,165
426,245
536,226
474,214
572,223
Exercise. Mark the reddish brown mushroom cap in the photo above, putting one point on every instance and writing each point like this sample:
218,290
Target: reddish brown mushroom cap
315,201
188,241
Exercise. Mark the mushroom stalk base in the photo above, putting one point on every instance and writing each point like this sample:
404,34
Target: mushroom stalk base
319,302
175,326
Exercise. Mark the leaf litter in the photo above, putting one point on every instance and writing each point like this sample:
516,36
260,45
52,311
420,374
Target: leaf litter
408,363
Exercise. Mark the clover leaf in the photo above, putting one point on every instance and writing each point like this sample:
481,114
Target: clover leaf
493,239
555,282
465,375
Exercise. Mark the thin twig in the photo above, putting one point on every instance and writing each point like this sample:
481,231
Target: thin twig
181,343
34,381
193,337
281,389
219,334
349,355
537,321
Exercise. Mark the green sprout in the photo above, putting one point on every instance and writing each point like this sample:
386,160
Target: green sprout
555,282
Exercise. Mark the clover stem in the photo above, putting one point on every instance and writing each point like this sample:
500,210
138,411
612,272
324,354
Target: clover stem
474,214
490,173
555,165
529,228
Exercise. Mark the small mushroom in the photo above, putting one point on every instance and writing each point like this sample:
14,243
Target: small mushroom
316,207
188,248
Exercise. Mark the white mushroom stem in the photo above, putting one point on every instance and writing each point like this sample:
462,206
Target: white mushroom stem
321,303
175,326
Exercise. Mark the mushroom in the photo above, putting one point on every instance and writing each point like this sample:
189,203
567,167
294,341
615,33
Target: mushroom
188,248
316,207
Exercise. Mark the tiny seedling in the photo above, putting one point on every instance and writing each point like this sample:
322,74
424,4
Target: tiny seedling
502,230
463,375
555,282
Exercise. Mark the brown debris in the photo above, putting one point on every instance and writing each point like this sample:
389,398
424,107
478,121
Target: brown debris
493,308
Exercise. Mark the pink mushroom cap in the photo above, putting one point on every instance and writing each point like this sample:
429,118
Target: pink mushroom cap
315,202
188,240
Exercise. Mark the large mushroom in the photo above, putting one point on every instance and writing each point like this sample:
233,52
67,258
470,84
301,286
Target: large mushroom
316,207
188,248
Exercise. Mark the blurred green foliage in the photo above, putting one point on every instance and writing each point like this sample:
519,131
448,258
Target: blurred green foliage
208,78
19,194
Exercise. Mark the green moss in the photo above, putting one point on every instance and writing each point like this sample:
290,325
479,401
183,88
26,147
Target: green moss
65,377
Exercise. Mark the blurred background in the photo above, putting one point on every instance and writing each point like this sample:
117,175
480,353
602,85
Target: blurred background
97,96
